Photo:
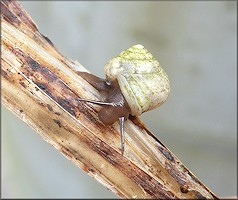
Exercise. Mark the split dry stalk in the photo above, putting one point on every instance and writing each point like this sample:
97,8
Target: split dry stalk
40,86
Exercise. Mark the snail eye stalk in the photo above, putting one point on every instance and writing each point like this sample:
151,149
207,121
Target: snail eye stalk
96,102
122,120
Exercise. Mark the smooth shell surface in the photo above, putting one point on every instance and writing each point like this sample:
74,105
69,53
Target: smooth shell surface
143,82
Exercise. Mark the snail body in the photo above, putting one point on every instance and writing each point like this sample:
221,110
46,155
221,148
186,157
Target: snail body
113,102
135,83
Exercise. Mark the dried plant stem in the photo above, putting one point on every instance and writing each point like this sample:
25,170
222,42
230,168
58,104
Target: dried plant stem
40,86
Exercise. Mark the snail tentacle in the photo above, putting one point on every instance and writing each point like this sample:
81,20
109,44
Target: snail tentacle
122,120
97,102
114,104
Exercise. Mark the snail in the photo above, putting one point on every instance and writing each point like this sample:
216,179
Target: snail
135,83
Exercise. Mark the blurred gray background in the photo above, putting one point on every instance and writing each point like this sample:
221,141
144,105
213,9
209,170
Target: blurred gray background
195,42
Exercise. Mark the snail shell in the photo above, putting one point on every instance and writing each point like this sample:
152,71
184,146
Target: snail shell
143,82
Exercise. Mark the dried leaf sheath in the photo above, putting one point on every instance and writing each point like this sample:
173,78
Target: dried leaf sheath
40,86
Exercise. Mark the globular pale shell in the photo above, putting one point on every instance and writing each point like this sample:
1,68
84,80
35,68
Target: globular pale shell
143,82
